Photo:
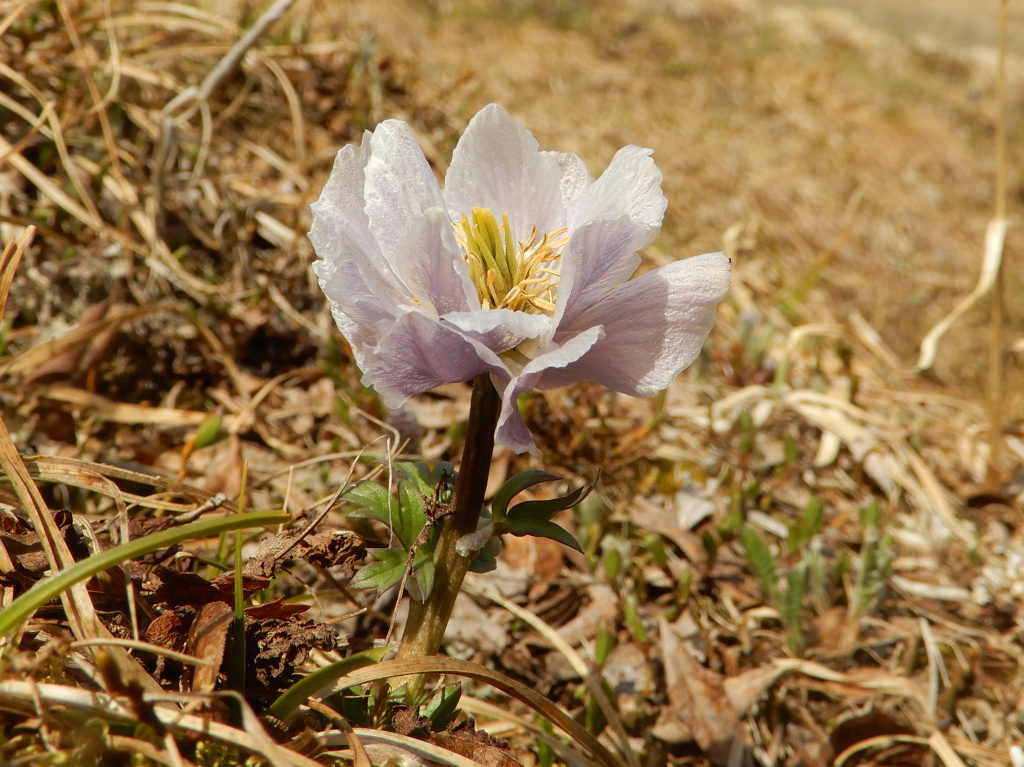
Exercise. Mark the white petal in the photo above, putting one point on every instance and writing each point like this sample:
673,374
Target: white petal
497,165
654,327
400,185
575,176
431,265
341,207
500,329
511,430
419,353
355,308
630,185
600,257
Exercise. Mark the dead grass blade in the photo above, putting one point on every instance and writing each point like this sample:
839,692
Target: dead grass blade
590,678
995,238
416,747
25,696
77,604
97,477
440,665
13,251
479,707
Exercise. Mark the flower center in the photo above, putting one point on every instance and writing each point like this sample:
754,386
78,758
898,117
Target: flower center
510,274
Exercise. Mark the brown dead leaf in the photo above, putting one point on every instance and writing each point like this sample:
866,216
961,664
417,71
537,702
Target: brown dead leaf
464,739
207,640
283,645
275,609
700,709
178,589
324,548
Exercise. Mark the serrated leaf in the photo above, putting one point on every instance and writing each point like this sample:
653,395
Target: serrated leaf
374,500
382,574
514,486
761,561
442,707
419,474
412,514
543,528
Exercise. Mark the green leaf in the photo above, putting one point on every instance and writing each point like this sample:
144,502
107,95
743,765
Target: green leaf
209,431
516,485
375,501
310,684
419,474
547,509
871,515
792,605
411,518
441,708
382,574
808,526
50,587
426,477
486,559
422,581
543,528
761,561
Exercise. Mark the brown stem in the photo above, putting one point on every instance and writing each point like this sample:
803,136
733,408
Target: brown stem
427,621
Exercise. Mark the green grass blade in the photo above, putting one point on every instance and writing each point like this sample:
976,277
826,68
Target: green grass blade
312,683
51,586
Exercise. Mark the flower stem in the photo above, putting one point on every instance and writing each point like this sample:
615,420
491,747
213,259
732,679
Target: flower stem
427,622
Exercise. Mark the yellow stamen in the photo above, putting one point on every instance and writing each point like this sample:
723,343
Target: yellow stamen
506,273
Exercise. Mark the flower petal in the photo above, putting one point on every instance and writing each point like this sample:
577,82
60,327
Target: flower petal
630,185
356,310
511,430
341,207
400,185
497,165
500,329
419,353
600,257
654,327
575,176
433,270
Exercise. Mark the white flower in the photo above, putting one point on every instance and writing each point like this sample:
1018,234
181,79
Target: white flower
519,268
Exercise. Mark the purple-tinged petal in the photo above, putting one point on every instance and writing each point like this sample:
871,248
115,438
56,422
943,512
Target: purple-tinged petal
511,430
400,186
431,265
654,327
357,308
630,185
497,165
500,329
600,257
419,353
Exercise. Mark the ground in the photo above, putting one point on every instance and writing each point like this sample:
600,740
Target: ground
804,552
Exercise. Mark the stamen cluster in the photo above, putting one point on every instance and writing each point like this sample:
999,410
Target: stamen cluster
508,274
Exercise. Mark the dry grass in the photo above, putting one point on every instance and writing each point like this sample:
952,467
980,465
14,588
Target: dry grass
847,173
